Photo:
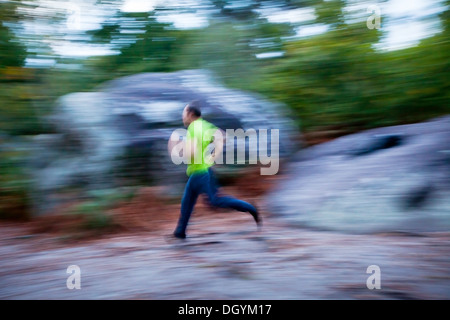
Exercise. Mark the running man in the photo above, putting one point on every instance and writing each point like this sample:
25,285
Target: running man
200,134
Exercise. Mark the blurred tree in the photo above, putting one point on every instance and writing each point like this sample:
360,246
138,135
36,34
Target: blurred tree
12,52
15,107
338,79
16,117
144,44
230,49
329,12
147,45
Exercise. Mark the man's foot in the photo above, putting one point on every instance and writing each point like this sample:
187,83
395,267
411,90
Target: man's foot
257,217
179,235
174,239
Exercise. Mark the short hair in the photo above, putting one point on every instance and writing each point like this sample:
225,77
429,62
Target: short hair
195,108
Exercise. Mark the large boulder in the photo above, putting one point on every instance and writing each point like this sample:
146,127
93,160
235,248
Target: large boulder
382,180
118,133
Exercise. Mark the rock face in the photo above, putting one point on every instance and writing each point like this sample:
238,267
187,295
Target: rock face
382,180
121,131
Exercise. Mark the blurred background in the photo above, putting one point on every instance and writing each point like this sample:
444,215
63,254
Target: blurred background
90,90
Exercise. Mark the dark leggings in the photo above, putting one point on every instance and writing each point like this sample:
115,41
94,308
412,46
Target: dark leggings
206,183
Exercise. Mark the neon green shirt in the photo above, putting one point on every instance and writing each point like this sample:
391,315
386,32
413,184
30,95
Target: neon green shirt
202,132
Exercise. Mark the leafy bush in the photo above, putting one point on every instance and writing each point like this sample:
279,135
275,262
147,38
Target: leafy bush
95,211
14,184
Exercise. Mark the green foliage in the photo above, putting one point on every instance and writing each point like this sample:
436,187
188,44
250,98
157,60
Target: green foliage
14,183
95,211
111,197
330,12
152,49
93,214
339,79
12,53
326,79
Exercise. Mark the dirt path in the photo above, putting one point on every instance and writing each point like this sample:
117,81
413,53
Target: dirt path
225,258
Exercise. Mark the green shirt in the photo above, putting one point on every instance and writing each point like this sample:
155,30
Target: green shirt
202,132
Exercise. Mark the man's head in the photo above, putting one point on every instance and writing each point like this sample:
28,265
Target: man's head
191,112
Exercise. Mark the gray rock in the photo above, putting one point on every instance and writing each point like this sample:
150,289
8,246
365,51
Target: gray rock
381,180
119,133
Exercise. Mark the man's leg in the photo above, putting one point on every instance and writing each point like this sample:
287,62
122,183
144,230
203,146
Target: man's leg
187,206
225,201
